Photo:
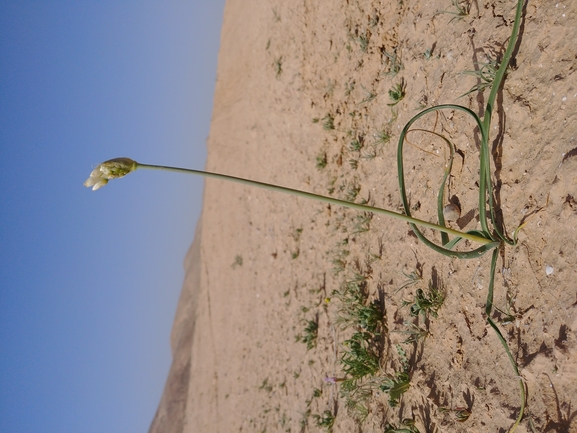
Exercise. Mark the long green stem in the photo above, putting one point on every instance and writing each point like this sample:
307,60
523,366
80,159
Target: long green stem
488,311
360,207
485,187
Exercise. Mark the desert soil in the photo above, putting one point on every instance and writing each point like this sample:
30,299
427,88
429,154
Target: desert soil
302,100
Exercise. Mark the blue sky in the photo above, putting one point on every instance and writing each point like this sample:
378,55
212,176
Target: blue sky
89,281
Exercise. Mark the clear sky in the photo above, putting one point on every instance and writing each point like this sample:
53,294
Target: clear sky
89,281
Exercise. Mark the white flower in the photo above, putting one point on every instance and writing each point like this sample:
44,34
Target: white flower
112,169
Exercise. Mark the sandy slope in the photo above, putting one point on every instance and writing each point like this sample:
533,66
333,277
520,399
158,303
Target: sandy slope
265,264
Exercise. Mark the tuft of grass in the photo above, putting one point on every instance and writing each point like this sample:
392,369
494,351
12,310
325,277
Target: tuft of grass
278,67
265,386
349,87
383,136
310,334
393,63
413,278
356,143
461,414
461,9
328,122
359,358
369,95
352,190
414,333
397,93
356,393
428,54
485,76
362,222
397,384
406,426
276,15
237,261
356,311
321,160
426,303
325,420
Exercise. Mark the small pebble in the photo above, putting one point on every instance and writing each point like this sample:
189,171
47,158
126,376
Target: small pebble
451,212
549,270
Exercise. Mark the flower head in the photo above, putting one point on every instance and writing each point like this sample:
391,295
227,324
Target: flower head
111,169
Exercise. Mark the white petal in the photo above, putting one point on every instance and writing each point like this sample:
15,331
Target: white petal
99,184
91,181
96,172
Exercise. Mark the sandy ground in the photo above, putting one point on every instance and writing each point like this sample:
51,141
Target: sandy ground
265,265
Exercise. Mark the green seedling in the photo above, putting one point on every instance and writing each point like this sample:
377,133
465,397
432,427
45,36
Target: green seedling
237,261
414,333
369,95
461,9
362,222
461,414
356,143
330,88
413,278
359,359
362,40
278,67
322,160
265,386
396,386
349,87
328,122
485,76
393,62
355,313
397,93
407,426
425,304
310,334
351,189
276,15
383,136
326,420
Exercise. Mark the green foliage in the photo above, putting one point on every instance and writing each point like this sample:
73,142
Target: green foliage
326,420
393,62
328,122
278,67
414,333
407,426
321,160
426,303
237,261
310,334
461,9
355,311
359,358
397,93
396,386
485,76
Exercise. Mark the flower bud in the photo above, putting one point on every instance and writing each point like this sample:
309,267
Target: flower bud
111,169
